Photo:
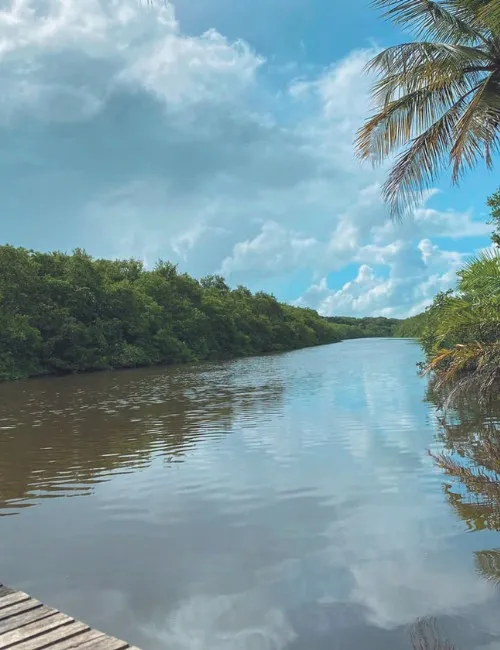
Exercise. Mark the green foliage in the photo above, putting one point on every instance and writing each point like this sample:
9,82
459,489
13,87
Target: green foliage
437,100
461,332
369,327
70,313
471,314
494,205
411,328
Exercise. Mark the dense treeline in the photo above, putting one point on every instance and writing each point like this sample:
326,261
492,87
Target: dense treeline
66,313
367,327
412,327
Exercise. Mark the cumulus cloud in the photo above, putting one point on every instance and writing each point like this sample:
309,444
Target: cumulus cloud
360,295
224,622
274,249
415,275
181,146
124,41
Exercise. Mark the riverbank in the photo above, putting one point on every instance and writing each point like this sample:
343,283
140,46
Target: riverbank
62,314
460,332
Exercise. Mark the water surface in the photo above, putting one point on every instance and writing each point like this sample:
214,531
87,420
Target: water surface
281,502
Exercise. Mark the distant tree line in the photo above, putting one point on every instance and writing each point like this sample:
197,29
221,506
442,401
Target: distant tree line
63,313
367,327
411,327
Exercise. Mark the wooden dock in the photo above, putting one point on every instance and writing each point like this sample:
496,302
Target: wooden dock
26,624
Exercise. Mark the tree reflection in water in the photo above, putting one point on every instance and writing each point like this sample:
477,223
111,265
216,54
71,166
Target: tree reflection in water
471,459
424,635
470,435
60,437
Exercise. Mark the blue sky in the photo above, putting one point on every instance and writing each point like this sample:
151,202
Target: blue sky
218,135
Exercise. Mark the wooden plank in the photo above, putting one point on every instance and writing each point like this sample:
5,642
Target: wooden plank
19,608
86,640
103,643
66,637
33,629
26,624
12,598
26,618
5,591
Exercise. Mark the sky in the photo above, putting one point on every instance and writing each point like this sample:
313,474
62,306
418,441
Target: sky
219,135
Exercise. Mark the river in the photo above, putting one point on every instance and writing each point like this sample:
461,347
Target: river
280,502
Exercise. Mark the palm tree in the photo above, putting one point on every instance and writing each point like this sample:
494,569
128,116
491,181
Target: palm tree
489,13
437,99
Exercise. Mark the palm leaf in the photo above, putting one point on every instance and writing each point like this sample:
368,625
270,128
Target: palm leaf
488,564
480,277
409,67
490,15
400,120
438,100
483,13
416,168
432,19
477,129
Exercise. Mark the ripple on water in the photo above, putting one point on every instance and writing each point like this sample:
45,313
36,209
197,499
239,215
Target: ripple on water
286,501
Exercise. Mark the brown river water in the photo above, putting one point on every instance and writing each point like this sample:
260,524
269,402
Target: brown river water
285,502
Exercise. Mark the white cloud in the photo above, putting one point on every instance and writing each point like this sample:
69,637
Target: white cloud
430,222
207,68
137,45
179,146
415,274
274,249
366,294
341,90
223,622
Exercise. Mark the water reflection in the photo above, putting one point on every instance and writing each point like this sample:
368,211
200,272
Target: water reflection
59,437
471,459
279,503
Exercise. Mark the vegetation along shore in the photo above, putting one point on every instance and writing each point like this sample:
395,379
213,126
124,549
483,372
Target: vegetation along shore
437,108
460,330
64,313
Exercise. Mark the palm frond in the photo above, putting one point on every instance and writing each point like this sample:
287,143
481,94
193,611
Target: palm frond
473,366
484,14
480,277
440,100
432,20
400,120
405,56
488,565
416,169
489,15
408,67
477,134
437,97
